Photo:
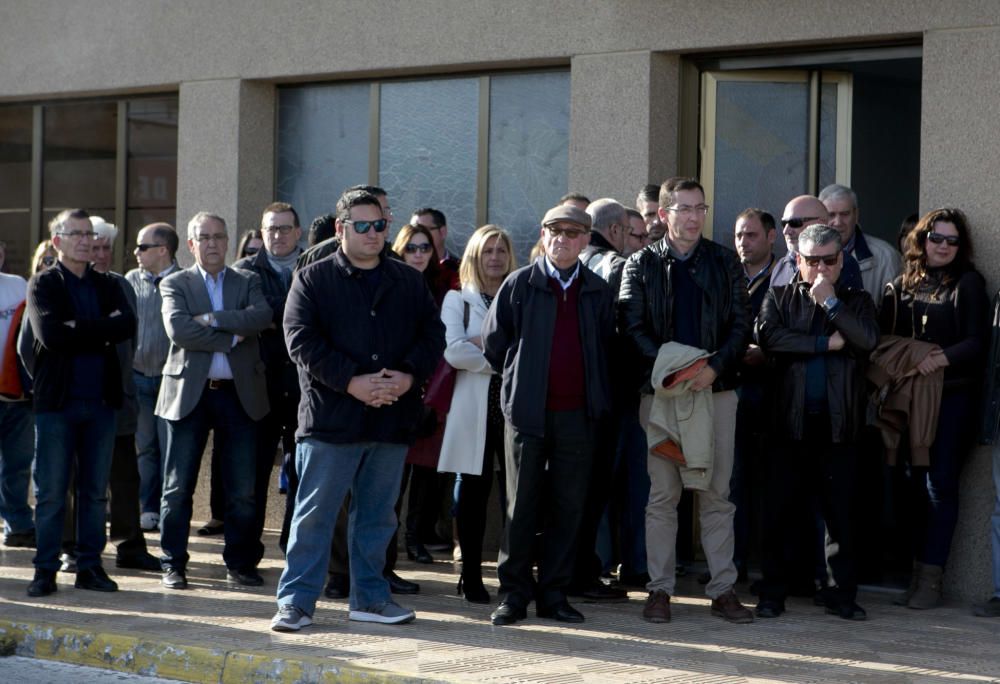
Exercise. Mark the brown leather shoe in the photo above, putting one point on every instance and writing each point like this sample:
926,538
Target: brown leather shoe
657,607
729,608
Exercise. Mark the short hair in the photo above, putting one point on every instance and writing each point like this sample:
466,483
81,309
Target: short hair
200,218
104,230
56,223
252,234
837,191
470,271
436,215
649,193
322,228
165,233
766,218
355,198
820,234
574,196
606,212
673,185
370,189
632,213
278,208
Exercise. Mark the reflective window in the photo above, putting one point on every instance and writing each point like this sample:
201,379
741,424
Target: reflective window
15,186
79,152
152,168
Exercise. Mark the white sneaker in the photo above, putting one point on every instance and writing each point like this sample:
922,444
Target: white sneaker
387,613
290,618
149,521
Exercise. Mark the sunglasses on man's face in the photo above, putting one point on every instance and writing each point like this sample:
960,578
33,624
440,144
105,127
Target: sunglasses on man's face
413,248
143,246
797,221
362,227
938,238
813,261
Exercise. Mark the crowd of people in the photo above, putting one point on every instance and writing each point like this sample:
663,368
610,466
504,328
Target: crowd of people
631,362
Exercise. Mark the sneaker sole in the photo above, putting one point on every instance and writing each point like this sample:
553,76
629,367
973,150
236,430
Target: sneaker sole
290,626
360,616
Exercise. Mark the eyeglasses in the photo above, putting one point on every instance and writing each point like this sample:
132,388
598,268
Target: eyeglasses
413,248
362,227
284,230
797,221
250,251
568,232
88,234
938,238
688,210
813,261
214,237
142,246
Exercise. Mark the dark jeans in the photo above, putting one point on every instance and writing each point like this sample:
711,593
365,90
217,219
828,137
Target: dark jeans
472,500
150,443
17,449
935,489
587,568
801,473
83,432
547,480
746,479
235,445
632,493
124,488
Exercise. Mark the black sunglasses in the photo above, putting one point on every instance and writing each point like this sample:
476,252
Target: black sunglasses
250,251
362,227
938,238
413,248
797,221
142,246
48,260
813,261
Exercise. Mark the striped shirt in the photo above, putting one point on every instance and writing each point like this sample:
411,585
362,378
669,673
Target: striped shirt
152,342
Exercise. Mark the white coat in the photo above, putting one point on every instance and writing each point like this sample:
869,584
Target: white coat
465,430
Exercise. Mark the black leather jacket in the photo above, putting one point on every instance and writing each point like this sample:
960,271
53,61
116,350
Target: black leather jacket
645,306
783,333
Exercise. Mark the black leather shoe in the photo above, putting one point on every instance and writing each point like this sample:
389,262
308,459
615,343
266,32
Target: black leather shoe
248,577
174,579
507,614
848,610
23,540
398,585
417,552
562,611
338,586
43,584
94,579
139,561
767,608
601,592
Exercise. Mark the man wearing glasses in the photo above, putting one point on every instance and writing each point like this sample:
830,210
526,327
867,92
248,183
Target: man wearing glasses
818,331
77,317
155,250
274,264
800,213
365,334
548,333
688,289
212,380
637,237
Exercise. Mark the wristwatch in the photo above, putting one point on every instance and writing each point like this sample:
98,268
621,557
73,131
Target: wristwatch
830,302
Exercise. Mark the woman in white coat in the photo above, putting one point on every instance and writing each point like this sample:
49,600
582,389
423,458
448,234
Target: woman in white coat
473,443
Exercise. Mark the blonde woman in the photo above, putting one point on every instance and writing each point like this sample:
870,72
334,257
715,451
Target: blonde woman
473,435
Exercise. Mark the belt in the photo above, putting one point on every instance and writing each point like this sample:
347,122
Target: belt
219,384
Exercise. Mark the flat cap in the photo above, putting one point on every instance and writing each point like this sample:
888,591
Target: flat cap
567,212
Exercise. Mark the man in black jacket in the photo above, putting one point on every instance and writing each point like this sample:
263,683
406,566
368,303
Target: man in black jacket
365,334
688,289
548,334
77,317
819,333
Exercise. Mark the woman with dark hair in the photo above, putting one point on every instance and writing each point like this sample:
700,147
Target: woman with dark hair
940,299
415,246
251,243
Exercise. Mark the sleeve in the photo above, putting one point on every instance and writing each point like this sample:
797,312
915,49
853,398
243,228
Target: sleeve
459,352
971,313
426,350
499,331
253,318
180,325
773,334
732,348
631,314
858,323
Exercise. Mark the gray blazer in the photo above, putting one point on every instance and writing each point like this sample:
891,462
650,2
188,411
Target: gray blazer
192,344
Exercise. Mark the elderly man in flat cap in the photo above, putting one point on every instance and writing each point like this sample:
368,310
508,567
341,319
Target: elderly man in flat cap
548,334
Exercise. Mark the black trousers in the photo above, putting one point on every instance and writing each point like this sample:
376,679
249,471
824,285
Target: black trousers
275,430
547,479
588,566
803,474
473,501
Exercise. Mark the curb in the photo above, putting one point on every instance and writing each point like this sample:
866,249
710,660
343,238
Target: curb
147,655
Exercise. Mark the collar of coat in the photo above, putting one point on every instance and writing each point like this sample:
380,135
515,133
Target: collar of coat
589,281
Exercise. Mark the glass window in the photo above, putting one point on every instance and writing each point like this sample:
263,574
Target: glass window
529,137
323,136
152,168
78,152
828,134
15,187
428,151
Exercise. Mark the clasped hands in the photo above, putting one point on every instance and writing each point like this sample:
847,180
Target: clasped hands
381,388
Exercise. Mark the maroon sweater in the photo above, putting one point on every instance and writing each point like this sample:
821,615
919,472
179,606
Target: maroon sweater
566,390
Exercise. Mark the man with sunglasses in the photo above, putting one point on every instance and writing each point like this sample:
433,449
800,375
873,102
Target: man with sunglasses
818,332
365,334
155,250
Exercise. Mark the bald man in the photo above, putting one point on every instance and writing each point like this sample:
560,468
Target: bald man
800,213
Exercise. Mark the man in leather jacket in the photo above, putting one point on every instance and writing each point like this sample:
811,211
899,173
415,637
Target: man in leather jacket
817,332
688,289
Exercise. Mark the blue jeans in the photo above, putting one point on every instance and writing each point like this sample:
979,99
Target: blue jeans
150,443
17,448
235,437
84,429
372,471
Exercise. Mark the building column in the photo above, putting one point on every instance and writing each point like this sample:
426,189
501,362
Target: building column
623,122
225,154
959,148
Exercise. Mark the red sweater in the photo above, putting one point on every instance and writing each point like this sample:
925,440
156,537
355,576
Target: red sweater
566,390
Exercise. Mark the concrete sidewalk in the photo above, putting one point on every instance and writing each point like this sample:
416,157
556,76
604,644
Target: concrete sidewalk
216,632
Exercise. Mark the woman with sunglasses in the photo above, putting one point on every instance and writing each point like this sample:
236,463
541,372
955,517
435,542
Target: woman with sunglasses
251,243
940,299
414,245
44,257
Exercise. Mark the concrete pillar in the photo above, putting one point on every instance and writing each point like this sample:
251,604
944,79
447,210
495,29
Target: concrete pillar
959,148
225,153
623,122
